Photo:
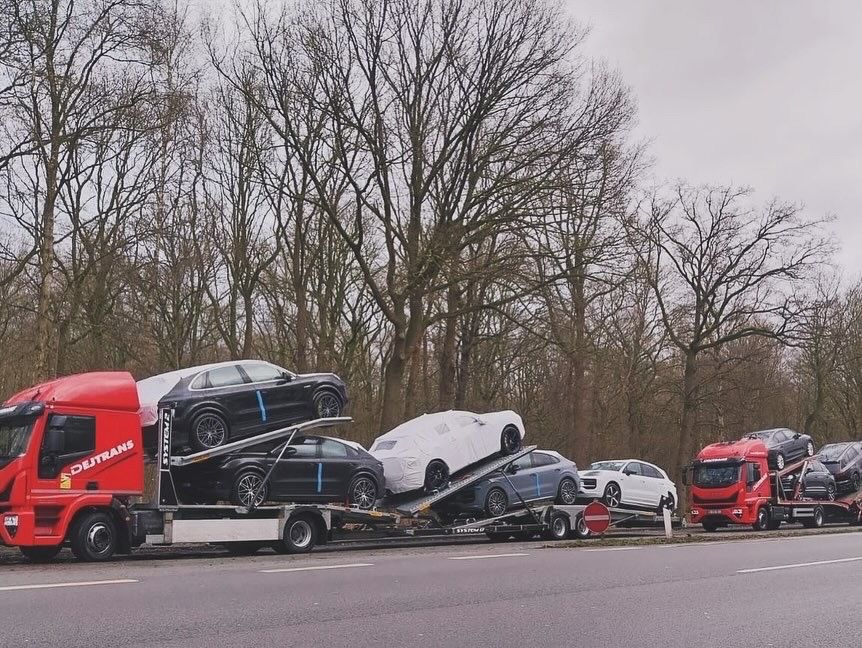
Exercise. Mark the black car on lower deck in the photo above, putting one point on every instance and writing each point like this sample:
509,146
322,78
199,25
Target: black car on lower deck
216,404
312,469
844,461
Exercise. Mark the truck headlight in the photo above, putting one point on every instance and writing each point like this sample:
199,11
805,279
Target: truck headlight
11,524
695,512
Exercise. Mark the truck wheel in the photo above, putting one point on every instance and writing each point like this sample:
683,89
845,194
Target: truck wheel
209,430
581,530
709,527
761,523
510,440
40,554
300,535
559,528
93,537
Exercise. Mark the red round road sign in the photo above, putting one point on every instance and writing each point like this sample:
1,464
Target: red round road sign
597,517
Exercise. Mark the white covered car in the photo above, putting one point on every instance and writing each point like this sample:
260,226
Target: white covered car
425,451
628,482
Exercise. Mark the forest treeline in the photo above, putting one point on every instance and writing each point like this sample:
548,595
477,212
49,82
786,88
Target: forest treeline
440,200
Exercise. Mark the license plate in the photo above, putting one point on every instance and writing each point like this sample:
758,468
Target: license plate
714,511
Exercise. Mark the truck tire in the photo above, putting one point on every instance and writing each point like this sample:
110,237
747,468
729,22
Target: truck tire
761,523
94,537
709,527
816,520
300,535
581,531
558,527
40,554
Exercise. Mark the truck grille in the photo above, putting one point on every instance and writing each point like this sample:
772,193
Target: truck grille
713,503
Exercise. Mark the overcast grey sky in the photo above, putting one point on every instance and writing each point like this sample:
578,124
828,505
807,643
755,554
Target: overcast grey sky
765,93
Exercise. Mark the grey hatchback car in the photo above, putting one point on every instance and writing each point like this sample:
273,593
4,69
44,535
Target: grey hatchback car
540,475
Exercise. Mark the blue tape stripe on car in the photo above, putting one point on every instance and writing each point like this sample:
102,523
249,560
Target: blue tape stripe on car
538,491
261,406
319,477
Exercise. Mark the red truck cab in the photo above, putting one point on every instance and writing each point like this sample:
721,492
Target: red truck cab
730,484
71,459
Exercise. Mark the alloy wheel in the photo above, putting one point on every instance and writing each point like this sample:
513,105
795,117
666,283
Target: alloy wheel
568,491
511,440
612,495
364,493
210,431
497,502
328,406
248,490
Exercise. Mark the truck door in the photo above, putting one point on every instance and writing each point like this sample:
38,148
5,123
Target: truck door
66,445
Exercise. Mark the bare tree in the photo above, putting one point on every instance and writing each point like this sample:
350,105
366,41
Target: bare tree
722,272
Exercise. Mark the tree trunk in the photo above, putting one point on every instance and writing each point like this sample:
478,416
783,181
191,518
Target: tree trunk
446,384
46,267
393,383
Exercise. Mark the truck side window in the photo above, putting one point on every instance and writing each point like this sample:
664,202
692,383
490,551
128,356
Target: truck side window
753,473
77,440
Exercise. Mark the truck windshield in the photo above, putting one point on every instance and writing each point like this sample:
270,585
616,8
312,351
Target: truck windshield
14,435
716,475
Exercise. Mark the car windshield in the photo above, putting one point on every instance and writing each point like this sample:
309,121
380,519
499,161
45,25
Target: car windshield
608,465
832,452
716,475
14,435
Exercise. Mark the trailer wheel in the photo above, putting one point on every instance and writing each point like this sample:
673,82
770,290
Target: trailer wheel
559,527
300,535
40,554
510,440
761,523
816,520
581,530
93,537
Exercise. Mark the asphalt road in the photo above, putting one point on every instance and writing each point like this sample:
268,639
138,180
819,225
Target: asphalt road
759,592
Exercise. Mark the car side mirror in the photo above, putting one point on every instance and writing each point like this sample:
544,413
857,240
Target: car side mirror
286,377
628,472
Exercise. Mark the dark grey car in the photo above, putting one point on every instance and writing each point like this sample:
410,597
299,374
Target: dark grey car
784,445
540,475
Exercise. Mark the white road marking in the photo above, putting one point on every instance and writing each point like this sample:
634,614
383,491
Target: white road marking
794,566
317,568
13,588
615,548
506,555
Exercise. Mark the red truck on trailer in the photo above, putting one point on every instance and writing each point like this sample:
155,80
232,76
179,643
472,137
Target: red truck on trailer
731,483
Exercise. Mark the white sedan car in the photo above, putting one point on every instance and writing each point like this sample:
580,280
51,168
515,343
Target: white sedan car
628,482
425,451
